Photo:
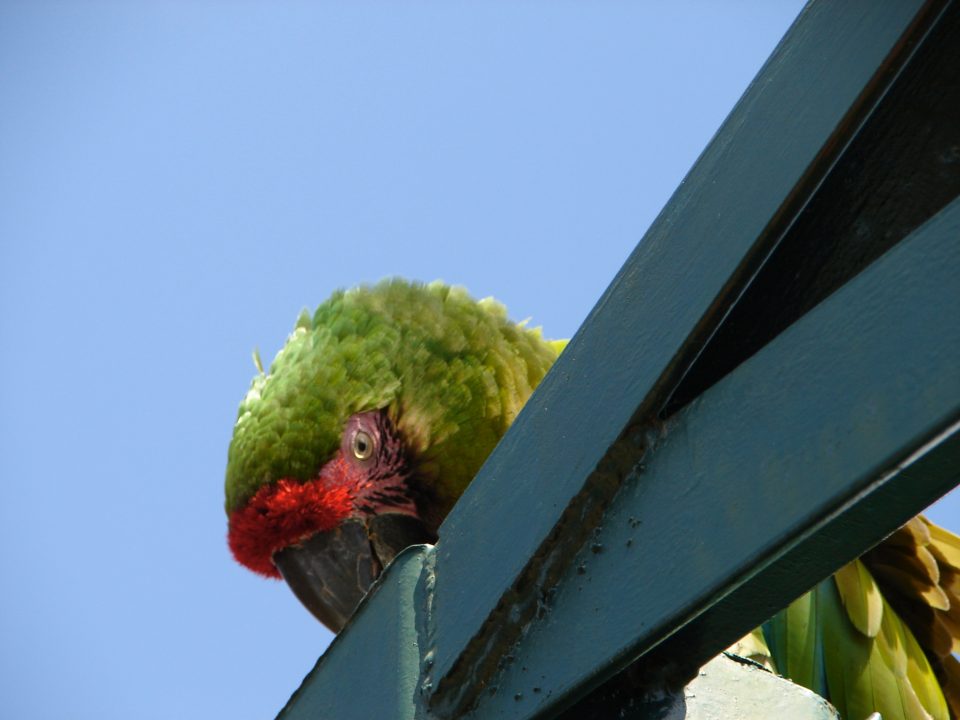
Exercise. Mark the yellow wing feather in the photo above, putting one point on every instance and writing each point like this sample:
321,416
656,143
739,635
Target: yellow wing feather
918,571
888,624
860,597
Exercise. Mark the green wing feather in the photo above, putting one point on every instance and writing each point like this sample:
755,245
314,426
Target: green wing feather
795,642
860,597
880,643
867,674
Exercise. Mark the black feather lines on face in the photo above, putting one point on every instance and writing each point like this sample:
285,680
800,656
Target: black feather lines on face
387,469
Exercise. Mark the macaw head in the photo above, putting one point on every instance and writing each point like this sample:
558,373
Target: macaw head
369,424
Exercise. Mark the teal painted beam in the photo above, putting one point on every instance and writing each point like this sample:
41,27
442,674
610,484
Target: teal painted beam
671,294
372,668
841,428
501,594
838,431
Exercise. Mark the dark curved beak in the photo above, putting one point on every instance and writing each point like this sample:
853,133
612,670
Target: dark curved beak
330,572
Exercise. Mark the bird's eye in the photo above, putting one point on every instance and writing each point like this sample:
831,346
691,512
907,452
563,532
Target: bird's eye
362,445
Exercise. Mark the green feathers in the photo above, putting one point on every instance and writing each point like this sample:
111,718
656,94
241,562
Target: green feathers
888,672
843,640
794,638
453,372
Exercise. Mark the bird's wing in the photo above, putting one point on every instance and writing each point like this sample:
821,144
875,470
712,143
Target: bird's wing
870,657
918,570
879,634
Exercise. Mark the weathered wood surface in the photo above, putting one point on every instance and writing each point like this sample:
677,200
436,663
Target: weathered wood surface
795,463
372,668
384,646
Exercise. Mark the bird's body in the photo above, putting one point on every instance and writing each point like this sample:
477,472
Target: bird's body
383,405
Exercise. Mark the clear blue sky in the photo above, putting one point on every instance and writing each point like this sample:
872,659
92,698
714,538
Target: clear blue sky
179,179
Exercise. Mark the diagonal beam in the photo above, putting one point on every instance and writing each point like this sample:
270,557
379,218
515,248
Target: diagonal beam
816,448
836,432
371,669
549,479
539,543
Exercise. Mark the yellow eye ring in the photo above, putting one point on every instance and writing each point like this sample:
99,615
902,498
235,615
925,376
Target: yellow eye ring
362,445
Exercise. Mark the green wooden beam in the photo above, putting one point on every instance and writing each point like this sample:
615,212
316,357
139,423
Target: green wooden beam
372,669
571,445
838,431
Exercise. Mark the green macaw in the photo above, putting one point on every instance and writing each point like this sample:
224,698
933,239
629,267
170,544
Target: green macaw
383,405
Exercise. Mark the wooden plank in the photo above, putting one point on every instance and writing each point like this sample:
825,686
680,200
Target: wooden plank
372,669
506,565
668,298
900,169
840,429
832,435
